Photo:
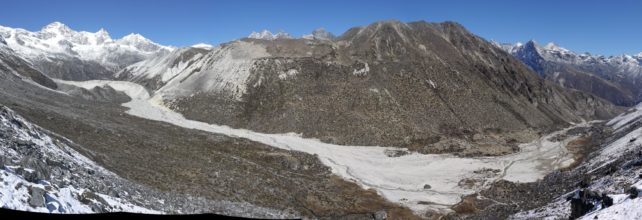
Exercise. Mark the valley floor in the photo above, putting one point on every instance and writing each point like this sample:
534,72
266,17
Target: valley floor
422,182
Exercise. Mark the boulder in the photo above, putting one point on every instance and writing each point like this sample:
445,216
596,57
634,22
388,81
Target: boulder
381,215
606,201
633,192
37,197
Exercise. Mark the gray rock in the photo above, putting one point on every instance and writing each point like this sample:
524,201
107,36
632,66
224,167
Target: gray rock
37,198
381,215
427,186
633,192
395,153
88,197
30,176
40,170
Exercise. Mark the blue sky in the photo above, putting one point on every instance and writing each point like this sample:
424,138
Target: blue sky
600,27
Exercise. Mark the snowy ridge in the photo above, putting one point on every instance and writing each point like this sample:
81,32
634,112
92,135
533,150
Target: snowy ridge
202,46
319,34
30,184
418,181
623,64
58,40
267,35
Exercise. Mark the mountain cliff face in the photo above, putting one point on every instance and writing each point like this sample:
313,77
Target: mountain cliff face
61,52
13,65
615,78
432,87
156,72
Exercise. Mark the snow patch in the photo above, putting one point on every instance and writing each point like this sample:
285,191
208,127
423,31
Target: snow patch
288,74
14,194
629,209
362,72
434,86
618,122
202,46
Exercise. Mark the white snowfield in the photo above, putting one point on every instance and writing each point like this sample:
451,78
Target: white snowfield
419,181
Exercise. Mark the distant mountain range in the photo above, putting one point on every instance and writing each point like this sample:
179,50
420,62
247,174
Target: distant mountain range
615,78
63,53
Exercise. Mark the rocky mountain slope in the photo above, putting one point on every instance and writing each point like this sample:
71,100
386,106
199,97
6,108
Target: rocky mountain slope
60,52
607,185
42,173
432,87
614,78
189,170
14,65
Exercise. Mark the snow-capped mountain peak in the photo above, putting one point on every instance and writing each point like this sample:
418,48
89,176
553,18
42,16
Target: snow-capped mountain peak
57,41
267,35
619,74
260,35
319,34
135,38
553,52
102,36
139,42
202,46
56,27
519,44
554,47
